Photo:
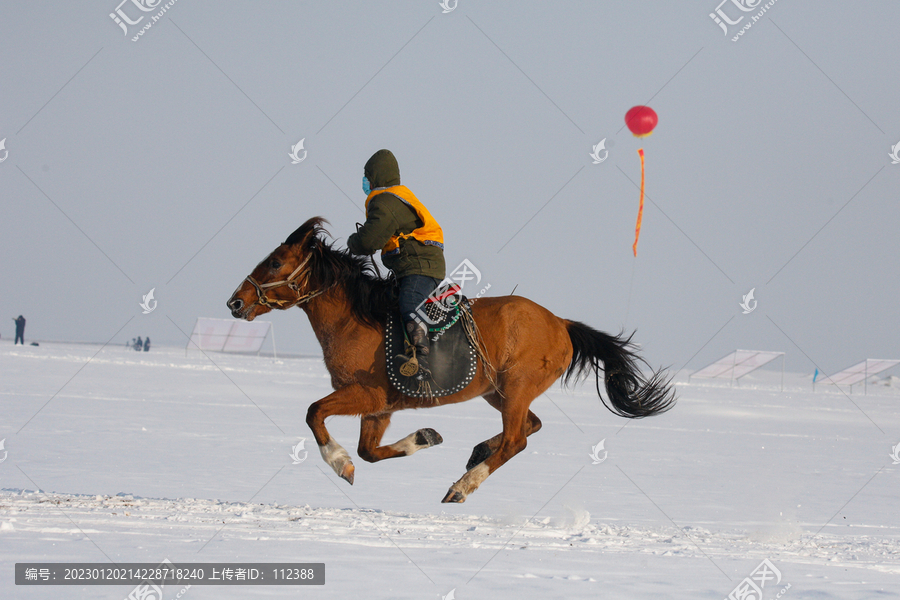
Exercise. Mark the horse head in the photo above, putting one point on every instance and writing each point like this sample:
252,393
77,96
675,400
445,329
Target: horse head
284,278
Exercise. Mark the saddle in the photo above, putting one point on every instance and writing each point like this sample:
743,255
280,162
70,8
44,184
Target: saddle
452,357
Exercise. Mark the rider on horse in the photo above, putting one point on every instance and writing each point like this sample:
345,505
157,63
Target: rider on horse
411,243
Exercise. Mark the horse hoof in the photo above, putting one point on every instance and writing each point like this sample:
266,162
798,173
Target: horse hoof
480,453
347,472
453,496
428,438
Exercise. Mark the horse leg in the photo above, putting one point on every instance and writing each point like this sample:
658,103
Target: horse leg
350,400
371,430
514,411
488,447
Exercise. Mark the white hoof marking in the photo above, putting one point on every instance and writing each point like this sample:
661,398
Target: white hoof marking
473,478
407,445
334,455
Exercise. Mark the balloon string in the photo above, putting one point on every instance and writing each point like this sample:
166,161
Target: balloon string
637,227
630,289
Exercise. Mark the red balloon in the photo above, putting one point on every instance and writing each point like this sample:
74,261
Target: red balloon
641,120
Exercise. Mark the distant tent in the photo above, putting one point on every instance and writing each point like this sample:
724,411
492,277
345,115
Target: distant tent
737,364
859,372
230,335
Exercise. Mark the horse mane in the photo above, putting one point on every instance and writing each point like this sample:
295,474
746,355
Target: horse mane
371,297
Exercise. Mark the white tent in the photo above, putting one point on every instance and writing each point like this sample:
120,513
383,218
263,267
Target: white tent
230,335
737,364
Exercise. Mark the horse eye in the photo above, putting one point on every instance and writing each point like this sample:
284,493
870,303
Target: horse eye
276,264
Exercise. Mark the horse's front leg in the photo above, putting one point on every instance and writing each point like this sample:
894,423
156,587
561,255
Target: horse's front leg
350,400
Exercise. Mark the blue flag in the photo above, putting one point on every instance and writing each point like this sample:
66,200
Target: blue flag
815,375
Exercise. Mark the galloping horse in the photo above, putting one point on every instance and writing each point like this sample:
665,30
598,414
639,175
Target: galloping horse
525,349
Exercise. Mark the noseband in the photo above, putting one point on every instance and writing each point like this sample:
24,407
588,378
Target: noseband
291,282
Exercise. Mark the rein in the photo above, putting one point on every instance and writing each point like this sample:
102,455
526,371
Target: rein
263,300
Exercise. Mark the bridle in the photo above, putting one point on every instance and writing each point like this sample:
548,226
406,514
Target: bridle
291,282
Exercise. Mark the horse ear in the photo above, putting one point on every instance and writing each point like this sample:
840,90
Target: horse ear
311,229
298,235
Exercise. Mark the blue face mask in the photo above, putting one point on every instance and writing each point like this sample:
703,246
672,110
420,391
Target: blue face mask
366,187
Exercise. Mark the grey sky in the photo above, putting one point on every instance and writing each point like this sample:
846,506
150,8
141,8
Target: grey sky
164,162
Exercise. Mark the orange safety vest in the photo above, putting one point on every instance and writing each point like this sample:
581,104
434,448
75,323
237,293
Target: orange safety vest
430,233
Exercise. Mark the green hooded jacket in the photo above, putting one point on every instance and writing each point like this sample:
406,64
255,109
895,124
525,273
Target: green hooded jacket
389,216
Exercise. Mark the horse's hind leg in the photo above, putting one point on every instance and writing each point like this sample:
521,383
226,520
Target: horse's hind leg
488,447
372,428
351,400
514,410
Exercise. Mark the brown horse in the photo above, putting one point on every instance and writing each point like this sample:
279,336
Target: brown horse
526,349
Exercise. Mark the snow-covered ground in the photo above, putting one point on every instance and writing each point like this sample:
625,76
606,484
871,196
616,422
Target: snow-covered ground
127,457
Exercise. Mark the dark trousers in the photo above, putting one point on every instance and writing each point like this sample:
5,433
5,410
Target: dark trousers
20,337
414,290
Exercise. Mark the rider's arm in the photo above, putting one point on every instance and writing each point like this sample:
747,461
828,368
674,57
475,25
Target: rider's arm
380,226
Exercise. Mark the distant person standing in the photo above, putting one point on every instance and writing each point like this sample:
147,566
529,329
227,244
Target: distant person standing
139,344
147,344
20,330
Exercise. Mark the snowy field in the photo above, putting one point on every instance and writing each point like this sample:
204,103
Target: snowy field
127,457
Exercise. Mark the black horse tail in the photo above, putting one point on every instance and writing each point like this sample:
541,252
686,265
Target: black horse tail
630,393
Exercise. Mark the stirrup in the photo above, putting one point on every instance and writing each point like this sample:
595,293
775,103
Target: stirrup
411,366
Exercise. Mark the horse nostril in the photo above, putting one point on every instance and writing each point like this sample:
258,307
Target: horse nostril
235,304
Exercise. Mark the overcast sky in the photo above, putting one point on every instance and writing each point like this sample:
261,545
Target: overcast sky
163,163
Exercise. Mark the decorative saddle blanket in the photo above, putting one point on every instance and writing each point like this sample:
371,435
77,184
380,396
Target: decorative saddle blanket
452,357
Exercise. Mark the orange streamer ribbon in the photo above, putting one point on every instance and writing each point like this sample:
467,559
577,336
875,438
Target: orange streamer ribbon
637,227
